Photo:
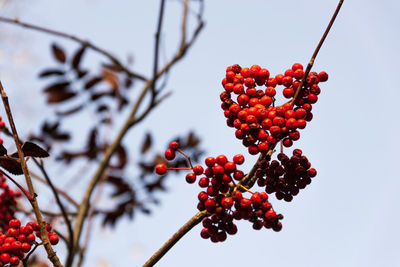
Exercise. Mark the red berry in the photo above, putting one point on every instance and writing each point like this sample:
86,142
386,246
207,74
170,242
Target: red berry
323,76
221,160
174,145
238,159
238,175
5,258
297,66
191,178
15,223
53,238
198,170
237,196
210,161
227,202
161,169
26,247
169,154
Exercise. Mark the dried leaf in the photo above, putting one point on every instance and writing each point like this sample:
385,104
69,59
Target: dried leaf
59,96
146,143
58,53
69,112
122,158
51,72
3,150
78,57
32,150
12,165
102,108
57,86
111,78
81,73
92,82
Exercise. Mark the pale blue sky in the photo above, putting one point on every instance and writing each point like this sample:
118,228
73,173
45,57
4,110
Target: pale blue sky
348,216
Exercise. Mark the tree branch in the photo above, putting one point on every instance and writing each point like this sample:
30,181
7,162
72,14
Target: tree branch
175,238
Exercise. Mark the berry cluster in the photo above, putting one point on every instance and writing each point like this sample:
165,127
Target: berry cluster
18,240
8,203
222,198
258,122
224,209
287,176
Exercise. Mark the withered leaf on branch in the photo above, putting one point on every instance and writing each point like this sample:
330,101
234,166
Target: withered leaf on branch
70,111
53,131
78,57
59,96
111,77
126,207
57,87
3,150
51,72
33,150
92,82
12,165
102,108
81,73
122,158
121,187
146,143
58,53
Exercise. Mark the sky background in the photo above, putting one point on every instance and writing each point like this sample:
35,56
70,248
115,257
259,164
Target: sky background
348,216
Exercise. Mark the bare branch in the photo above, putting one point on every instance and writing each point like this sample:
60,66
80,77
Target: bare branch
175,238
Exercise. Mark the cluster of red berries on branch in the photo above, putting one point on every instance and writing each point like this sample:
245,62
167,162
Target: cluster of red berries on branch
222,198
18,240
258,122
287,176
8,203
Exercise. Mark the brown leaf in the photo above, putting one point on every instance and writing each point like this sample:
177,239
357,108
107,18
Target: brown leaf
92,82
146,143
102,108
12,165
57,86
51,72
122,158
78,57
32,150
58,53
69,112
59,96
3,150
111,78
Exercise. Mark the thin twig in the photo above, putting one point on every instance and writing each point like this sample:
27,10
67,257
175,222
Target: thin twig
156,48
94,47
175,238
311,63
59,203
43,232
28,196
